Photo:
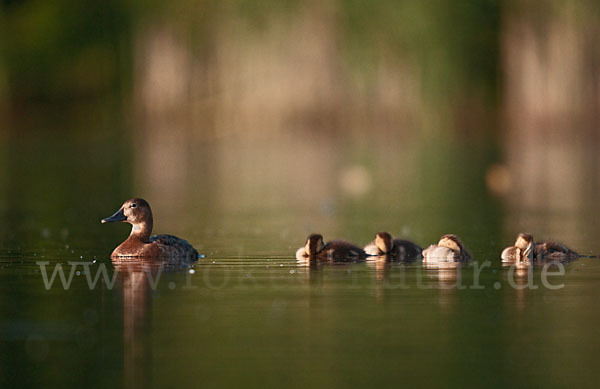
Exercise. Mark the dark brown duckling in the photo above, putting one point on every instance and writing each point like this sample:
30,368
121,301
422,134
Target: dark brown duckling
399,249
554,251
137,212
449,249
526,251
336,250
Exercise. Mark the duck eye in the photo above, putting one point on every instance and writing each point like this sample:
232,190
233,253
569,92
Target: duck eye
133,205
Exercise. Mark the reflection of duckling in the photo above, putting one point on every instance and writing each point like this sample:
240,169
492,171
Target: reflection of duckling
526,251
137,212
449,249
335,250
394,248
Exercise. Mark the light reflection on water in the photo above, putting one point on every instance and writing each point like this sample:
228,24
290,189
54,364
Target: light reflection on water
276,320
249,314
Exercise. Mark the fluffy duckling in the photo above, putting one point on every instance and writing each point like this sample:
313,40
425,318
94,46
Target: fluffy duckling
525,251
137,212
336,250
554,251
400,249
522,252
449,249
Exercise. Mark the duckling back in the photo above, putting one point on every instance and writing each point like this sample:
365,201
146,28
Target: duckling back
405,249
436,253
554,251
339,250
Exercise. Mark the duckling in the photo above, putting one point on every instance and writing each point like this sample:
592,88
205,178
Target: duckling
336,250
137,212
449,249
526,251
554,251
522,252
400,249
314,244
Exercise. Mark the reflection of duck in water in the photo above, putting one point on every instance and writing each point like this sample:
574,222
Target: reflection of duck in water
336,250
449,249
137,212
525,251
400,249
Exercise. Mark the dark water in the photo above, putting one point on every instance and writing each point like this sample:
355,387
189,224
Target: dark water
248,314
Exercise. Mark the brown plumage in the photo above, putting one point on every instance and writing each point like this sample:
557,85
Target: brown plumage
554,251
449,249
525,251
336,250
398,249
140,243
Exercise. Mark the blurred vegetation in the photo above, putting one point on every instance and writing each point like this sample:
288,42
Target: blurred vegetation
454,44
62,47
62,50
447,62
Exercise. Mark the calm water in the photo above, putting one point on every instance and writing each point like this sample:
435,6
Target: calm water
248,314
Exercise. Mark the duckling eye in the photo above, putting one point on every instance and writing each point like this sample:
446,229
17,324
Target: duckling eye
133,205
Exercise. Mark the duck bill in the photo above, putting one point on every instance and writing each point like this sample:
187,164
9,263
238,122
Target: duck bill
119,216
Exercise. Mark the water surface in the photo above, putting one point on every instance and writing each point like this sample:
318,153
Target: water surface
248,314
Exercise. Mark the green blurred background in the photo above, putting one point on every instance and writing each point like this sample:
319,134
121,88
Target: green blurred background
249,124
435,106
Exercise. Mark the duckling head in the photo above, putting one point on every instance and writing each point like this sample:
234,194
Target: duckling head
452,242
384,242
136,212
524,242
314,244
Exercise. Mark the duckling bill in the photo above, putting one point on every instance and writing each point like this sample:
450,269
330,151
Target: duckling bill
449,249
140,242
400,249
336,250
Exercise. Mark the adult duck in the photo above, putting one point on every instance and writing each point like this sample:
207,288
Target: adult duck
140,243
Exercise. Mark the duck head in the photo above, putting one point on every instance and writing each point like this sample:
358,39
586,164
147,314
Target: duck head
136,212
314,244
384,242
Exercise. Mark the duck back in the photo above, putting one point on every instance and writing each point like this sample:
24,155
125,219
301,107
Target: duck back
174,247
